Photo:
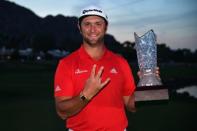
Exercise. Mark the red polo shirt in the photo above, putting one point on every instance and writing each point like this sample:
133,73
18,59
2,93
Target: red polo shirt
105,112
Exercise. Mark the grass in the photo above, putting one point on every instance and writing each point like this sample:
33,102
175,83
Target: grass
175,115
27,104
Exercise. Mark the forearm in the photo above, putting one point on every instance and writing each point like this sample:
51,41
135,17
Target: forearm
130,103
70,107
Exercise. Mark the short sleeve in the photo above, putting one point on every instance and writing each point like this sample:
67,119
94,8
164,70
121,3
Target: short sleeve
129,83
63,84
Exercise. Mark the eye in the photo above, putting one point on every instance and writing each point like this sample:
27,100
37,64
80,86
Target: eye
99,23
86,24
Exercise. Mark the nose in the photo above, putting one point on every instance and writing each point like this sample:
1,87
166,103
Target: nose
93,28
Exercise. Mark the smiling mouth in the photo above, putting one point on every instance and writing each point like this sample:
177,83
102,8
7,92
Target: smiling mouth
93,36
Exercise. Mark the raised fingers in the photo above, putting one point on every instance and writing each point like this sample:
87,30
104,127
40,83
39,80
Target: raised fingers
93,71
98,75
105,82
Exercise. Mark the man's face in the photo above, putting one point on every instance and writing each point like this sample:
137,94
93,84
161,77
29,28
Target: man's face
93,29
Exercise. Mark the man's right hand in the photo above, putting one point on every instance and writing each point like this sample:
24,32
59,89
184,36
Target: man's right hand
94,83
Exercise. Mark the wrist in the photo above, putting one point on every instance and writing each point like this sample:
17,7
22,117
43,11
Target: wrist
84,97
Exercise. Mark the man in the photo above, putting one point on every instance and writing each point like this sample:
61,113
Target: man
93,85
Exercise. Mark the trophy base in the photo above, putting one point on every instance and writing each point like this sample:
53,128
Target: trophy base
151,93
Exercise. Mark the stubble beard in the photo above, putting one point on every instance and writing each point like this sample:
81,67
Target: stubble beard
94,43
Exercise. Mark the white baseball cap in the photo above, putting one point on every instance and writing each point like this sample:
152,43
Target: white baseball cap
93,10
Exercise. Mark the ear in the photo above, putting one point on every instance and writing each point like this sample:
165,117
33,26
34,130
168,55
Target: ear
106,27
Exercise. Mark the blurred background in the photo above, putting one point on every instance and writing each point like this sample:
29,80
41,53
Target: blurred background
35,35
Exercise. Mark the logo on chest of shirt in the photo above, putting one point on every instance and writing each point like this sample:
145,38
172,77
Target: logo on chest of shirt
79,71
113,71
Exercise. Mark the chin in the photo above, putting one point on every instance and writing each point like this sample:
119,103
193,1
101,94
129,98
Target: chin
93,42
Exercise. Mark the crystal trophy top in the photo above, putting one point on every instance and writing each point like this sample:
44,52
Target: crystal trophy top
147,58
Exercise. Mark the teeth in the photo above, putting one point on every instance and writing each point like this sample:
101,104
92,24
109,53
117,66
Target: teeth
93,36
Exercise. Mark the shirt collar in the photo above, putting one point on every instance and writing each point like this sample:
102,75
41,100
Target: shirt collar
84,54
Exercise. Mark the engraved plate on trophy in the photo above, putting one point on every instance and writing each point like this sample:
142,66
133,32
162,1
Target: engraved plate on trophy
149,86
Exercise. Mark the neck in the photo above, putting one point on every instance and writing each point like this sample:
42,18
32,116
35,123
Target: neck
96,52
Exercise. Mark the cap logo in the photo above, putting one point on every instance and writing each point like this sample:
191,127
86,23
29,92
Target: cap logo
90,10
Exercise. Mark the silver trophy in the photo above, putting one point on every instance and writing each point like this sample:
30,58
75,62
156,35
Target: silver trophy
149,86
147,58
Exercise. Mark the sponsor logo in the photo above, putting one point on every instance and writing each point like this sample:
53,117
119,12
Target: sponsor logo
113,71
79,71
90,10
57,88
